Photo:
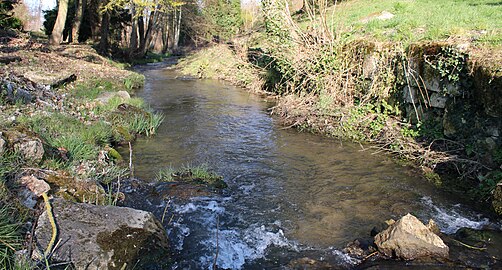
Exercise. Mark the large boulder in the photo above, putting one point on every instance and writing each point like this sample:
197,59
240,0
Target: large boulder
410,239
104,237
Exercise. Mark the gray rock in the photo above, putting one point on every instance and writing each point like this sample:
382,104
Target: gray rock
31,149
104,237
409,239
438,101
105,97
410,94
28,146
370,66
32,188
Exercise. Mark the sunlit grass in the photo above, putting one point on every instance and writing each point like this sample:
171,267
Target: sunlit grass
416,20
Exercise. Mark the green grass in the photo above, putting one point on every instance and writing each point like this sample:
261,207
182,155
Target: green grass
145,124
150,57
200,174
62,131
220,62
417,20
93,88
10,237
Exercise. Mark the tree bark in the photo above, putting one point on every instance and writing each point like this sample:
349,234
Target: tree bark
79,14
141,31
57,32
133,44
105,29
177,31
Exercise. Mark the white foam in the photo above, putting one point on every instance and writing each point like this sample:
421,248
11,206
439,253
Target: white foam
450,220
238,247
345,258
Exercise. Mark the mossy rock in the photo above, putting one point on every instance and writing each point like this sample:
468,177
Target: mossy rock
75,189
122,134
115,155
497,199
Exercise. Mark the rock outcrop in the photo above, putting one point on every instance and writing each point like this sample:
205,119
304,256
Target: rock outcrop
27,145
410,239
31,188
104,237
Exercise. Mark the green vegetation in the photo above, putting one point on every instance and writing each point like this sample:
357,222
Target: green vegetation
7,20
420,20
193,174
343,72
220,62
10,237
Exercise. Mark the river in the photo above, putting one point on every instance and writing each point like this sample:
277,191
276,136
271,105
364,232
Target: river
290,195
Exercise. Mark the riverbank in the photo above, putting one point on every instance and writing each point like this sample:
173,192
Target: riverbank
429,103
63,111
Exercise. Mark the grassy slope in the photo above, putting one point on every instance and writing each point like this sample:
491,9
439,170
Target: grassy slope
417,20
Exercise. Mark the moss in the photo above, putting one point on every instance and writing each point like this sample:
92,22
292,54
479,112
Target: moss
77,190
122,134
115,155
124,242
433,178
497,199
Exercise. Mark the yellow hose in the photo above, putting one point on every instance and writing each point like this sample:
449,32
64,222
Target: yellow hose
48,207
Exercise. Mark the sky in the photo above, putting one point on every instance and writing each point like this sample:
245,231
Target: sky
46,4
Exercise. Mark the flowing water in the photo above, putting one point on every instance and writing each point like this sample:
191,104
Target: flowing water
290,195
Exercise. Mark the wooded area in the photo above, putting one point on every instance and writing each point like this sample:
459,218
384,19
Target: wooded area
134,27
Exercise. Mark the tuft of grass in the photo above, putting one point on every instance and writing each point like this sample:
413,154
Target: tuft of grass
146,124
10,162
10,238
63,132
134,81
200,174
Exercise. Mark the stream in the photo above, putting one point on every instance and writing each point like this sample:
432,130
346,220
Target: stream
290,195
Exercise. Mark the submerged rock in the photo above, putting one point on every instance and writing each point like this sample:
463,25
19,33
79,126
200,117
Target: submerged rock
104,237
410,239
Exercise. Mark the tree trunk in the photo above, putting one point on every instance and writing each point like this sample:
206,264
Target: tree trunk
141,31
79,14
150,30
57,32
105,29
177,31
165,34
133,44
